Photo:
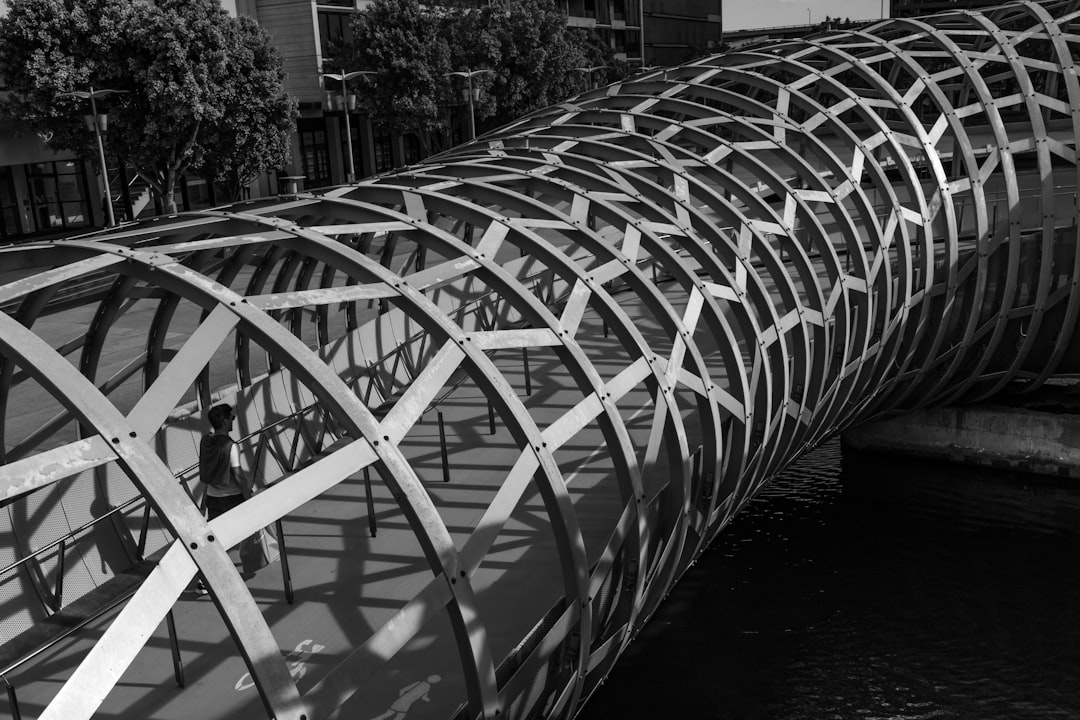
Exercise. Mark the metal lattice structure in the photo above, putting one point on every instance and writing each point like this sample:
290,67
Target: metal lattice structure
703,272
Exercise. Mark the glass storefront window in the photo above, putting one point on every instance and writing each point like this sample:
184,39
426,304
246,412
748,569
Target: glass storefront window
314,153
413,150
72,200
196,193
10,221
59,197
384,152
357,146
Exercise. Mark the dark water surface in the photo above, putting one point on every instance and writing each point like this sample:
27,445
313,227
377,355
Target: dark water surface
872,588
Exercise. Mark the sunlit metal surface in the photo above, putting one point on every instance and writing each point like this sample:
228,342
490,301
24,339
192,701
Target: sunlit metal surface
665,290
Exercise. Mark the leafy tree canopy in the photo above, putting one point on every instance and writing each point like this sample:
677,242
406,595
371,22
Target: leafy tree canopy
540,57
253,135
532,53
201,90
404,44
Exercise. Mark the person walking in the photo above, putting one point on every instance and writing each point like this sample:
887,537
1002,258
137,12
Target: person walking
219,468
219,464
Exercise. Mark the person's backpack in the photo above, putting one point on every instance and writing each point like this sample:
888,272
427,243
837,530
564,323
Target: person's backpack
214,468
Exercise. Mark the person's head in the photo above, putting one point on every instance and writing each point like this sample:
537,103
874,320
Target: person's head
221,417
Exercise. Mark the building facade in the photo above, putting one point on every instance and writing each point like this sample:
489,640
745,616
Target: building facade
42,192
678,30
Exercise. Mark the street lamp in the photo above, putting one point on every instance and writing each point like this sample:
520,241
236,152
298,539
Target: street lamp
470,95
589,73
348,103
641,30
98,122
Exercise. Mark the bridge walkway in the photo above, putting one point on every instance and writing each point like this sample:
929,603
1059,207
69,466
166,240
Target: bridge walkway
334,633
366,619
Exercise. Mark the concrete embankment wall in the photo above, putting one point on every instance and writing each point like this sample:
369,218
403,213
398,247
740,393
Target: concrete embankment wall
1041,439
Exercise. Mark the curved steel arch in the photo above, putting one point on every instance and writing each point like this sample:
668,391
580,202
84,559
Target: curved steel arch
719,265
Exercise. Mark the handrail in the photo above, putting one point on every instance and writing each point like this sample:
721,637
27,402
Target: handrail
114,601
66,632
471,306
128,503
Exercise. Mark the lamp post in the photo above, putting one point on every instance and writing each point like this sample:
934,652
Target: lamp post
589,73
471,96
348,102
98,122
641,30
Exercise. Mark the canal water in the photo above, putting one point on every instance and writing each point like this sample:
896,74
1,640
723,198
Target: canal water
868,587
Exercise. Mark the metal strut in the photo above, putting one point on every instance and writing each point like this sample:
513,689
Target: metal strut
714,267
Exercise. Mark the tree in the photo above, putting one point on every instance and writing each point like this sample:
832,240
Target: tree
45,49
475,44
192,76
253,135
405,45
527,45
540,55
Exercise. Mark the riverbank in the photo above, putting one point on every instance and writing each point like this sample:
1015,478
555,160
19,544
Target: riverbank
1037,433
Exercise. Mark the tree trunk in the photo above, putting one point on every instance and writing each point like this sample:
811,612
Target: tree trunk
168,199
234,186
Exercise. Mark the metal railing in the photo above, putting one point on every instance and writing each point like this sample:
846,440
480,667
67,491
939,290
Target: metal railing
112,601
265,444
400,358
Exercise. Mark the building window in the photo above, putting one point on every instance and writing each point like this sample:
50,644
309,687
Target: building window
357,145
334,31
604,35
314,153
582,8
384,150
10,222
58,195
618,43
413,151
197,193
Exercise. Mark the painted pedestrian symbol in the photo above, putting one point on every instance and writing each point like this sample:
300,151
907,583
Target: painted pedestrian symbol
409,696
296,660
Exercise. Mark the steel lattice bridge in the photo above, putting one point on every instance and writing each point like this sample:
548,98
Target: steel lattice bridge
498,402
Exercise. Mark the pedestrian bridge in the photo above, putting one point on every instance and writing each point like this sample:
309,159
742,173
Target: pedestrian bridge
498,402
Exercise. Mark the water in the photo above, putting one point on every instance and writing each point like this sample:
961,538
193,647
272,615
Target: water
871,588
